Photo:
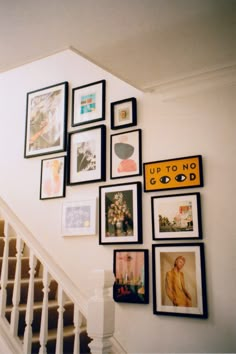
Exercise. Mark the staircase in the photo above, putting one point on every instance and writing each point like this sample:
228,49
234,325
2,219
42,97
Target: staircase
60,309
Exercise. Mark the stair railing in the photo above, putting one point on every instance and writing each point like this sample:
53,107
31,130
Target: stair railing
97,312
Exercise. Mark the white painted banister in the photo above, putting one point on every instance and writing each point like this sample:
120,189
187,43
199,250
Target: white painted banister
4,272
29,308
77,318
16,291
44,318
97,313
101,306
61,309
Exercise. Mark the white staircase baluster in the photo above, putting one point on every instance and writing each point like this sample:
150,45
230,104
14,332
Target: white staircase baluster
101,310
4,272
44,318
77,324
16,291
30,303
60,322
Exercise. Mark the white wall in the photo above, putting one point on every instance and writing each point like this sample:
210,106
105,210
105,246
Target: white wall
198,123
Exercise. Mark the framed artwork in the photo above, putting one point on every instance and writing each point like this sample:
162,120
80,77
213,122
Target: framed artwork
120,214
52,182
179,285
130,268
46,120
87,155
79,218
176,216
184,172
126,154
88,103
124,113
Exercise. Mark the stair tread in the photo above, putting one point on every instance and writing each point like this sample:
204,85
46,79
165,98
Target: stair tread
39,305
52,333
25,280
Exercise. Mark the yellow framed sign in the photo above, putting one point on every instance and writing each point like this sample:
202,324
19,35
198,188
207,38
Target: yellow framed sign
184,172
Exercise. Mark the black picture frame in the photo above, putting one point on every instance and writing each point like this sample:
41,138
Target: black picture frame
120,214
87,155
124,113
46,120
130,267
126,154
176,216
52,179
88,103
188,298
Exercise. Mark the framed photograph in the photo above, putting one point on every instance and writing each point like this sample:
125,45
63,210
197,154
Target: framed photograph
87,155
124,113
79,218
126,154
88,103
46,120
52,182
176,216
179,285
184,172
120,214
130,268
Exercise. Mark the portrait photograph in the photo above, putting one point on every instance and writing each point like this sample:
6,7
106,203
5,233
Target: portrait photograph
131,276
46,120
120,213
176,216
179,286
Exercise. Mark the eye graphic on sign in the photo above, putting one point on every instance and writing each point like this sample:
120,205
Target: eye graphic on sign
180,177
165,179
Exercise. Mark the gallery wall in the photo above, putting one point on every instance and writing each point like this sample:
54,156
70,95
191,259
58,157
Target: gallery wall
187,123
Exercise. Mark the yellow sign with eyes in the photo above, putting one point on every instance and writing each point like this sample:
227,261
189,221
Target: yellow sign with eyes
184,172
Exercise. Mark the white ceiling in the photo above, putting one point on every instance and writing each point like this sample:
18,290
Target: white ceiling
144,42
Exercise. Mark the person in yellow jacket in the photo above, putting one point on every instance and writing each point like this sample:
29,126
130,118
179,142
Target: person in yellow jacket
175,285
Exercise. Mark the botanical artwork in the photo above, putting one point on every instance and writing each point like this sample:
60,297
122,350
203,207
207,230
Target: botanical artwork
131,278
119,210
120,213
86,156
52,178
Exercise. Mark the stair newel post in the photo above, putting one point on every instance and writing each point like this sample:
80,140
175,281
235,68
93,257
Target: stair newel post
44,317
101,310
30,304
4,272
60,322
77,324
16,290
